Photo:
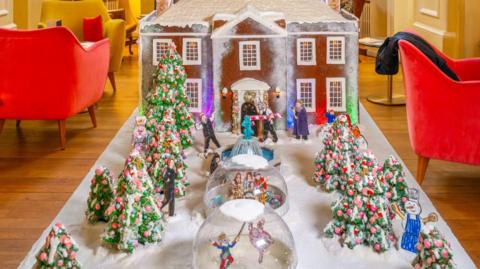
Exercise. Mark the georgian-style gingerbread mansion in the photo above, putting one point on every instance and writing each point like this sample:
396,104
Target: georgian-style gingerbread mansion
276,50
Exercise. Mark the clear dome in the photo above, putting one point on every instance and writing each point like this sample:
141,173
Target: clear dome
231,182
244,234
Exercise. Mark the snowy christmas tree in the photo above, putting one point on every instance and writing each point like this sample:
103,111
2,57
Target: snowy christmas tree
168,92
166,146
134,177
361,213
122,231
59,250
134,217
100,196
395,178
334,163
434,252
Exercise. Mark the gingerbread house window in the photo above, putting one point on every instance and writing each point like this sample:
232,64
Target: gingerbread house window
306,93
192,51
335,50
193,89
336,94
249,55
306,51
160,48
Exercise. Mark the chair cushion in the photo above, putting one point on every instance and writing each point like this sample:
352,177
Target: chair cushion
92,29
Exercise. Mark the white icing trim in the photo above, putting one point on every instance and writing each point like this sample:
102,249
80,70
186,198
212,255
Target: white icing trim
199,51
249,12
322,33
342,82
342,50
299,50
199,83
246,36
314,91
245,84
175,34
255,43
155,59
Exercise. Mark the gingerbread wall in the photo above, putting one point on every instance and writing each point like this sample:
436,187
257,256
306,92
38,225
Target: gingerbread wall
203,71
226,69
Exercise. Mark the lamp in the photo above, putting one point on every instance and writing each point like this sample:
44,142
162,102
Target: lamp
277,92
224,93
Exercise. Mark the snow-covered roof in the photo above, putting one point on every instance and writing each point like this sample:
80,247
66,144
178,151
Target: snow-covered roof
188,12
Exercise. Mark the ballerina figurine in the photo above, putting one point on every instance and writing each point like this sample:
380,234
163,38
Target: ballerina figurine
259,238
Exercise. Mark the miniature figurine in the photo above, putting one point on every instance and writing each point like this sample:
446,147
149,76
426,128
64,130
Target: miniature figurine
248,109
169,178
413,221
247,128
269,124
226,258
300,126
248,186
260,188
259,238
139,139
208,132
237,188
330,116
215,163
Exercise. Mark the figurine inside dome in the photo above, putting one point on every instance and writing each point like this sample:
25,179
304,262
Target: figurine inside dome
244,234
266,186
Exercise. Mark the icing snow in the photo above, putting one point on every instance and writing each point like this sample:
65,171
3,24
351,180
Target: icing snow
250,161
201,11
243,210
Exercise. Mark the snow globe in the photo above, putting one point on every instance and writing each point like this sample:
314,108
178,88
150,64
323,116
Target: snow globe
244,233
233,181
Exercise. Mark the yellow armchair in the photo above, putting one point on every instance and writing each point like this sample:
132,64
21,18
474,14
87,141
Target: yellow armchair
71,13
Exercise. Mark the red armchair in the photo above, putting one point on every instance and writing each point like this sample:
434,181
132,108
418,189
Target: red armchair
443,115
48,75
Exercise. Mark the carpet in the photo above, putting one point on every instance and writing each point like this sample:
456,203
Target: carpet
308,214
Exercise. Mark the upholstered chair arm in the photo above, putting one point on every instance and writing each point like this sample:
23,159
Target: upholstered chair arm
115,32
467,69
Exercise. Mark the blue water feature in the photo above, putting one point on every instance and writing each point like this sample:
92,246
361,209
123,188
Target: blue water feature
266,153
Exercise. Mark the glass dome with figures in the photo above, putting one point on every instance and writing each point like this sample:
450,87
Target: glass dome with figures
266,186
244,233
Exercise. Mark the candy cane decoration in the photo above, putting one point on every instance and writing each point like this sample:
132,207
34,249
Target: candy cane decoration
266,117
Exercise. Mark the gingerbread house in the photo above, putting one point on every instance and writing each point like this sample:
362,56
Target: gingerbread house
275,50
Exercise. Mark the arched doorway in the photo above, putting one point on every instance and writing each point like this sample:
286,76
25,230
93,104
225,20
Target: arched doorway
242,88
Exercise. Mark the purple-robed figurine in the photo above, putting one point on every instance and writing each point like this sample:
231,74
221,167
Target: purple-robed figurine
300,126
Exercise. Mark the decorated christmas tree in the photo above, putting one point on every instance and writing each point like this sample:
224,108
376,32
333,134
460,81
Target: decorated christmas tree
334,163
434,252
164,147
395,178
100,196
59,250
134,177
134,217
168,92
122,231
360,214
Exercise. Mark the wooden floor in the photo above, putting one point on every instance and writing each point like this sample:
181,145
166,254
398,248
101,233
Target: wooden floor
36,178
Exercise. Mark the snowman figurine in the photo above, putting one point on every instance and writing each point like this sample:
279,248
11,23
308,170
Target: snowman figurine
413,221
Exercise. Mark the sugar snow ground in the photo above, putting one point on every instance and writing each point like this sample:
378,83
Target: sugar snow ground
308,215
